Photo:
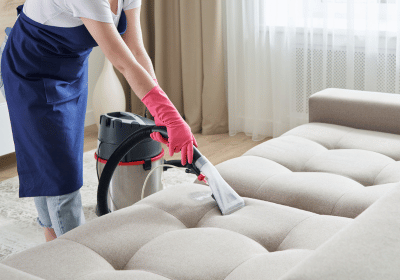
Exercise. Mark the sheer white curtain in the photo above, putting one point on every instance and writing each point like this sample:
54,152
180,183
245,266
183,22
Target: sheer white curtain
279,52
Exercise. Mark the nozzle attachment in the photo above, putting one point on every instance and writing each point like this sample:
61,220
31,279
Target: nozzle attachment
227,199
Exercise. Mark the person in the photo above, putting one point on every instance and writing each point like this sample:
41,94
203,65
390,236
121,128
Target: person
44,67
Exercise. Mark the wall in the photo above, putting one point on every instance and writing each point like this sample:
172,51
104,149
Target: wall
96,62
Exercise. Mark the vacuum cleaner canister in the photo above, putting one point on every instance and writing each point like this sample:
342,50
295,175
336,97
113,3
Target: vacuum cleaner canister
128,178
132,133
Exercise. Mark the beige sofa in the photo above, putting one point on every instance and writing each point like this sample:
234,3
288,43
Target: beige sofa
322,202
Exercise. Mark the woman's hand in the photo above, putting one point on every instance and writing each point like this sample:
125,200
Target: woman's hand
180,137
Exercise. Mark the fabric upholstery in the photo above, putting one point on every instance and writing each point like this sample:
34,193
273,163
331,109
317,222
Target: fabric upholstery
369,249
322,202
179,233
375,111
8,272
324,168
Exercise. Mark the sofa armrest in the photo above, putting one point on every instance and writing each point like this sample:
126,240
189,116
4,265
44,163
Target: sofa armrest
367,249
8,273
374,111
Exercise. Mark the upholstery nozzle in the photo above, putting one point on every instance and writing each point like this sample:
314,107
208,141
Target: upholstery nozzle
227,199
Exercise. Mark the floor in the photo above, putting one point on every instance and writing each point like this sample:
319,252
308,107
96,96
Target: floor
217,148
8,14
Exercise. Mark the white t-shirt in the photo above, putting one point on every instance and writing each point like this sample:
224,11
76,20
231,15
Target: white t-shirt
66,13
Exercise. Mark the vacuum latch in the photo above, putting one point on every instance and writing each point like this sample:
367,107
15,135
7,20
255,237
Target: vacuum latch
147,164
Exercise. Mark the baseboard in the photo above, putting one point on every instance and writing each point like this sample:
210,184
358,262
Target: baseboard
90,119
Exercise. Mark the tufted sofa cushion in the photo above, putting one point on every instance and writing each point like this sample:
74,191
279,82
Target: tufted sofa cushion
323,168
366,250
179,233
8,272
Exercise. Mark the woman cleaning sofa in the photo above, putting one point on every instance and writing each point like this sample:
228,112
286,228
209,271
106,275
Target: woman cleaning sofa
45,71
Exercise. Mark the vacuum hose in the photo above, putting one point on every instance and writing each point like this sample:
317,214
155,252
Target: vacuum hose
119,153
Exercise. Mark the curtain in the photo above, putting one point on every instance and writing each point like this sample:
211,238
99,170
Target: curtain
185,42
278,53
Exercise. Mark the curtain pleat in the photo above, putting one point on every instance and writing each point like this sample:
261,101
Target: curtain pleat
214,102
148,32
185,40
192,62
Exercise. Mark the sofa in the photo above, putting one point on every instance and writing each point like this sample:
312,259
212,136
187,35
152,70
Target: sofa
322,202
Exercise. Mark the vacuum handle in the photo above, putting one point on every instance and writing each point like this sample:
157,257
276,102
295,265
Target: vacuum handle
163,131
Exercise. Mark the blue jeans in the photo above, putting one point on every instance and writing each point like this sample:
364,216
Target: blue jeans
62,213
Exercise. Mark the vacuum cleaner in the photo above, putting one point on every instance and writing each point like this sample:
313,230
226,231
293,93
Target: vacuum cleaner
134,168
138,149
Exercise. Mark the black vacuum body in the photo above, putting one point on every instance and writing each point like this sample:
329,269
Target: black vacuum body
127,180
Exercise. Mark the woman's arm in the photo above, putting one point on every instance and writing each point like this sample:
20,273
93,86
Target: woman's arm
119,54
180,137
134,40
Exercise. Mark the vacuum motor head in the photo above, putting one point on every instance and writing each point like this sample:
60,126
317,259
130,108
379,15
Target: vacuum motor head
116,127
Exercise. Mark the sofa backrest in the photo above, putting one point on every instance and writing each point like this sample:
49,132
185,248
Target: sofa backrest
375,111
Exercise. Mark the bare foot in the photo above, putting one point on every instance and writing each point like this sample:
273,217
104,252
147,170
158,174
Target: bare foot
49,234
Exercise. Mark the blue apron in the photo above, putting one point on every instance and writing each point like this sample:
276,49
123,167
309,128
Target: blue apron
45,74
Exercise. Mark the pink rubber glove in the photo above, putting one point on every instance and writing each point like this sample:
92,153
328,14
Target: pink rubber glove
180,137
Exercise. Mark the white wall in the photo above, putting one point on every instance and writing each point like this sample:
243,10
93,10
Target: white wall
6,140
96,62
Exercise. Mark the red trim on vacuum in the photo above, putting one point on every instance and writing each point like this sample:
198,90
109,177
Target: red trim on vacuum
140,162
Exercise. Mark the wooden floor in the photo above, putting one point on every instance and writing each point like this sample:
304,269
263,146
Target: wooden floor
8,14
217,148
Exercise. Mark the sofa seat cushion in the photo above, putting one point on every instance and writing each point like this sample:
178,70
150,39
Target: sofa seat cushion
179,233
323,168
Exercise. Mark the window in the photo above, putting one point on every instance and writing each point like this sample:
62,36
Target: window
360,1
357,15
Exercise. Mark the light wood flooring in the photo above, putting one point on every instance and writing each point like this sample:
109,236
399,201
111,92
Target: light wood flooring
217,148
8,14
